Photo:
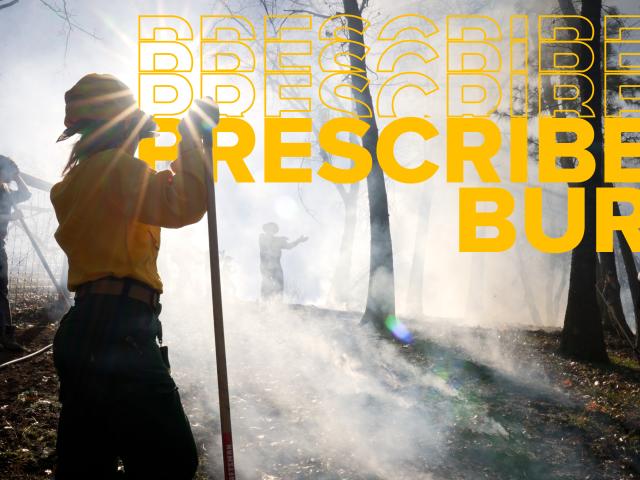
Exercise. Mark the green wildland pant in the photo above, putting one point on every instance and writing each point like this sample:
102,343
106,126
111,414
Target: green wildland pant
118,398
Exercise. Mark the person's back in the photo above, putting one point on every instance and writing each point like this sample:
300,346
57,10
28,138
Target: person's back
108,205
271,249
7,200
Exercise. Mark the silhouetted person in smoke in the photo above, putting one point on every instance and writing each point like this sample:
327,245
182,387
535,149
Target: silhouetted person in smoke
271,248
8,198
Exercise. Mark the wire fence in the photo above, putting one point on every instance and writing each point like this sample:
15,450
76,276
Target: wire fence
30,287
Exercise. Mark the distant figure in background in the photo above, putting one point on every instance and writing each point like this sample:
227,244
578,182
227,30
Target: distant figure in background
9,172
271,248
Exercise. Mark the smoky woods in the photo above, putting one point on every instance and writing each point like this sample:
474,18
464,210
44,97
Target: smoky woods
315,84
458,153
318,239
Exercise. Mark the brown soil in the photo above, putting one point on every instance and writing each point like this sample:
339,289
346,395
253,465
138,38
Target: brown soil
602,415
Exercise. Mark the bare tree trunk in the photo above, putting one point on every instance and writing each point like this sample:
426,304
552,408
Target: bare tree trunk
475,294
341,285
632,275
529,297
613,299
381,292
582,335
415,292
554,312
11,3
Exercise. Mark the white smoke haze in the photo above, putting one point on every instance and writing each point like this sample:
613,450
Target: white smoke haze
316,390
313,393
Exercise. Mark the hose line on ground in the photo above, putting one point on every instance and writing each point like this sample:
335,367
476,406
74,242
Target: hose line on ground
26,357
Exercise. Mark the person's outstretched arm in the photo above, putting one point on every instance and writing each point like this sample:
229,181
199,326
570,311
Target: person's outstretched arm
295,243
22,194
170,199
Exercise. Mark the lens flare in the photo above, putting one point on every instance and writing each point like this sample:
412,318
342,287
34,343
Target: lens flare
398,329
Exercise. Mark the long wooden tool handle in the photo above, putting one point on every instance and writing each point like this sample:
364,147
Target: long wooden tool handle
218,324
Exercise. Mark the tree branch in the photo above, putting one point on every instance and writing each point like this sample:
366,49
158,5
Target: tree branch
63,14
342,191
10,4
310,12
304,205
233,17
567,7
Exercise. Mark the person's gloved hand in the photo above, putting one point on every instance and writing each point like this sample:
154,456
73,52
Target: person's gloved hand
202,117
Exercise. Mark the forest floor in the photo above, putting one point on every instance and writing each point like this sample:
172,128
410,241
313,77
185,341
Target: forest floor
593,427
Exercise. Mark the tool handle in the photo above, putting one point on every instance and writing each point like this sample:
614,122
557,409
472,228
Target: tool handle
218,324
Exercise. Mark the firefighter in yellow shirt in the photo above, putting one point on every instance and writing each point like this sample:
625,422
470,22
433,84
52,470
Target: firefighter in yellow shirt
118,398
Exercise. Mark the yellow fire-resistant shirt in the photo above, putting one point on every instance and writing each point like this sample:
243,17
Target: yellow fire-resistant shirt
110,209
